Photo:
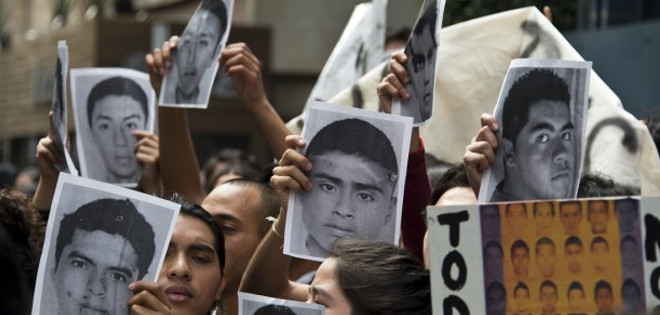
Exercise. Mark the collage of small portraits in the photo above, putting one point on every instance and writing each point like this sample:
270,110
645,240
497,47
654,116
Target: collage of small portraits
572,257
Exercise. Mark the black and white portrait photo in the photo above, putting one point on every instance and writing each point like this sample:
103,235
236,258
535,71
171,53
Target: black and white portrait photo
359,163
99,239
541,113
252,304
58,122
421,51
188,83
109,104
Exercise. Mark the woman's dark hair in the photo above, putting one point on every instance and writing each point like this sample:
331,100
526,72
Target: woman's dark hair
272,309
194,210
379,278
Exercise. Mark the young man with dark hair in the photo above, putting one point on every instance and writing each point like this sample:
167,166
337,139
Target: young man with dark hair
521,298
544,215
600,251
548,297
101,248
570,213
537,139
604,298
516,218
631,295
496,298
546,257
116,107
573,253
353,185
198,49
576,297
598,215
421,50
520,259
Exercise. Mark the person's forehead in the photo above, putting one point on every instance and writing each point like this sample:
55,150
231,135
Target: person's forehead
189,229
206,23
548,110
96,243
573,247
570,207
334,162
516,208
457,196
117,104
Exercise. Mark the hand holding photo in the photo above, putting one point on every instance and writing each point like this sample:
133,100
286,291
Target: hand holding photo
189,81
541,112
99,239
359,163
109,104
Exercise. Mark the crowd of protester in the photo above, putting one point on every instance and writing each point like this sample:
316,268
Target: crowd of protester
227,205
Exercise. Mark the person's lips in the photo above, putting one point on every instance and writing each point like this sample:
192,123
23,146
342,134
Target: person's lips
178,294
85,309
561,174
339,231
123,159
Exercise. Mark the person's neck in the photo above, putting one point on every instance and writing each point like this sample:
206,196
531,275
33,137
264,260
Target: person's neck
513,189
229,303
187,98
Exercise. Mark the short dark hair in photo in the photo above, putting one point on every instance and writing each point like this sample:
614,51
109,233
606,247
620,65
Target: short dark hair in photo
115,217
602,284
538,203
519,244
509,205
272,309
544,241
628,239
533,86
630,283
575,286
547,283
495,245
570,202
599,239
354,136
573,240
116,86
427,19
590,204
520,285
217,8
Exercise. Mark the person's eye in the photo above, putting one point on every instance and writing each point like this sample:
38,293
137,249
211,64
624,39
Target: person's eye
131,125
365,197
203,43
201,259
328,187
542,138
566,135
79,263
104,126
226,229
118,277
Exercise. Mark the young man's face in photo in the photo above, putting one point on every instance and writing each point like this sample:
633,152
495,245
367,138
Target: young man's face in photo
604,300
496,300
571,217
521,298
598,216
114,118
544,152
493,260
546,259
543,216
196,51
627,215
423,68
576,300
629,253
600,255
349,196
548,299
520,261
631,298
573,254
94,272
516,217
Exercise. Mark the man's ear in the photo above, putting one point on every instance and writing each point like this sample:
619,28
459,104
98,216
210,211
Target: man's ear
509,152
223,285
391,209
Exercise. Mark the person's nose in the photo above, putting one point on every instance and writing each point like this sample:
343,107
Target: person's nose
560,152
179,268
192,53
429,69
119,137
343,208
96,286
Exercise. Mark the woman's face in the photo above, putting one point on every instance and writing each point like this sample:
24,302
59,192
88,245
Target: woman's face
325,290
191,274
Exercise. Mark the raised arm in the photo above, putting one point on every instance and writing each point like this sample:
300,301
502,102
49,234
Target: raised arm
417,188
147,155
178,162
480,153
47,157
244,68
268,271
